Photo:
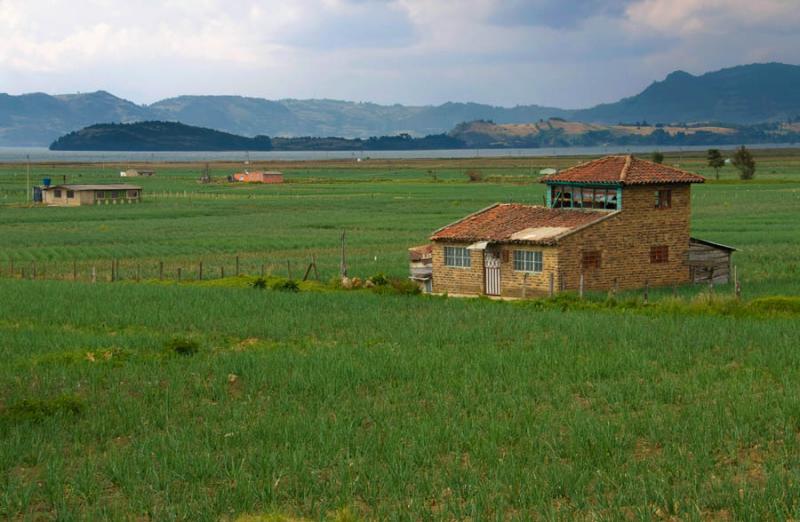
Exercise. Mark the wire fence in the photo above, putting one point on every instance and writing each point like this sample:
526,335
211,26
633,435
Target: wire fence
111,270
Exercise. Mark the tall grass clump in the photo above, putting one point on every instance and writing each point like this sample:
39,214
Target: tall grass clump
182,346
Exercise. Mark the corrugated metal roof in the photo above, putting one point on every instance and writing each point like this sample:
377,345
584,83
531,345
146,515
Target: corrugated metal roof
712,244
118,186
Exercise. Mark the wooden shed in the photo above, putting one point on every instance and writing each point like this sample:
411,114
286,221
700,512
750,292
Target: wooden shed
709,262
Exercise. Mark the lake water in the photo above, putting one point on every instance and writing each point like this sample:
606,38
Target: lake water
43,155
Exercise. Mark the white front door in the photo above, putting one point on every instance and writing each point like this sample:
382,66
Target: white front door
491,269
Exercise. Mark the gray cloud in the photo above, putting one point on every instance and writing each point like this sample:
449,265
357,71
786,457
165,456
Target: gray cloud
558,14
550,52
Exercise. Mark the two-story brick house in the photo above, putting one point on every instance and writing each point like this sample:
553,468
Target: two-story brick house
616,222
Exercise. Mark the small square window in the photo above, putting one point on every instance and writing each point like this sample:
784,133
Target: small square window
100,194
659,254
591,260
57,193
70,194
663,198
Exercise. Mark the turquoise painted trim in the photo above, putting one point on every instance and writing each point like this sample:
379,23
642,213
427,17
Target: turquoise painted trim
619,198
583,184
549,196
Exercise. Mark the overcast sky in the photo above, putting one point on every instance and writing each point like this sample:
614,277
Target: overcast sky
565,53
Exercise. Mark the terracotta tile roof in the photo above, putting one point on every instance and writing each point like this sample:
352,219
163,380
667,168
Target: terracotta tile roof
623,170
513,222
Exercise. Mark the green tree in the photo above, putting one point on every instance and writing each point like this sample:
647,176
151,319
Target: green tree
657,157
715,160
744,161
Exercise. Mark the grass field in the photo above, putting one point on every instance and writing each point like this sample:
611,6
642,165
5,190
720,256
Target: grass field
353,405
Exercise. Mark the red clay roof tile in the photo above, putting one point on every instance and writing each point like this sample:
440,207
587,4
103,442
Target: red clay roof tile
623,170
503,220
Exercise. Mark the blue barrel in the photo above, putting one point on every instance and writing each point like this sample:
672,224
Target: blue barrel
46,182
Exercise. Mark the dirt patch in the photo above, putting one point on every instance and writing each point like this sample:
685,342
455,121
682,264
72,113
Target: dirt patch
646,450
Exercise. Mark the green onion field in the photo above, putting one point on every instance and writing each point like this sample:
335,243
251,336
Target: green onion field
149,399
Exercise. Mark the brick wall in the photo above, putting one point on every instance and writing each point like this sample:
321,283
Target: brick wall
522,284
624,242
454,280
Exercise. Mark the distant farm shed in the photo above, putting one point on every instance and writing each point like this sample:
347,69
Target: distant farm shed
259,176
134,173
77,195
709,262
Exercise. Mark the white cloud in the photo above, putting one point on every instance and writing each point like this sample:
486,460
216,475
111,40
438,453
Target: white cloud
556,52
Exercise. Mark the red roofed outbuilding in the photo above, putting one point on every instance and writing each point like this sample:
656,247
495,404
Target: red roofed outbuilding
258,176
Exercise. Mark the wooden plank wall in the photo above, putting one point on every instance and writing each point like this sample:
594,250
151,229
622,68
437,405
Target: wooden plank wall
706,260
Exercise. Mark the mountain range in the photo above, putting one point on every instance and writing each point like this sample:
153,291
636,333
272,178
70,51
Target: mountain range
746,94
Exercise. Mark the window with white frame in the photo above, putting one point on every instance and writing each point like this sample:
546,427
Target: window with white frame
457,257
528,260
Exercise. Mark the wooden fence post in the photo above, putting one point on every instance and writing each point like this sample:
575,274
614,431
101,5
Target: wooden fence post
580,286
222,272
161,270
525,285
343,262
179,273
551,289
112,270
200,271
237,266
94,274
646,291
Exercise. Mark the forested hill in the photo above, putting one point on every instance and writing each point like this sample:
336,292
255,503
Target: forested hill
156,136
170,136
